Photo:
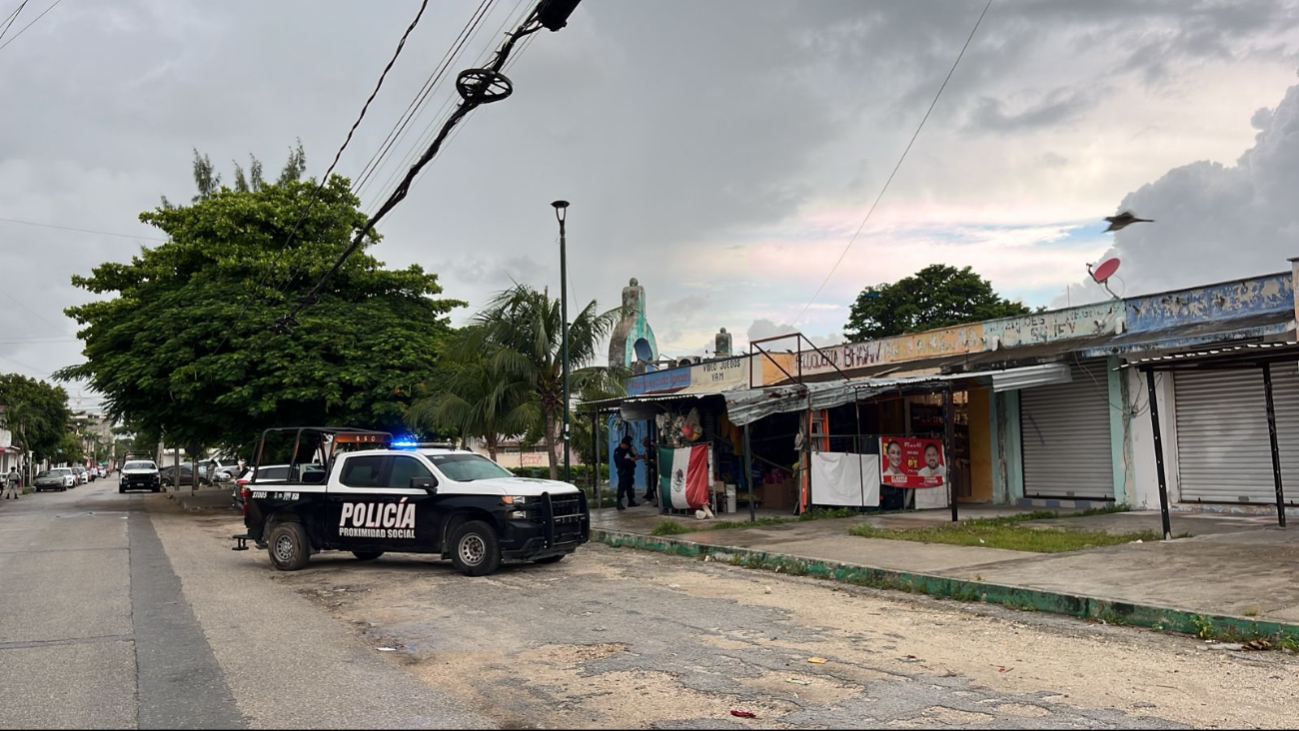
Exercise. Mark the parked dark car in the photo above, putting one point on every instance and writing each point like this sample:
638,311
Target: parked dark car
168,475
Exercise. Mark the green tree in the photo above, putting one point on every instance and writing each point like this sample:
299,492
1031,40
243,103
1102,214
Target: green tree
183,342
521,329
36,413
475,396
936,296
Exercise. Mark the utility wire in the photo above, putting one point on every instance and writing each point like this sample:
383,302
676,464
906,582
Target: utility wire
324,180
417,102
439,118
901,159
25,27
470,102
82,230
11,19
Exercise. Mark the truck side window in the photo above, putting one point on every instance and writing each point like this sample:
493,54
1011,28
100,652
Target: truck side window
363,471
404,469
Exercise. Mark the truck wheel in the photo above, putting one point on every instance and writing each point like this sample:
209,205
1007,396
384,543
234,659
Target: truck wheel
367,555
121,489
289,547
551,559
474,549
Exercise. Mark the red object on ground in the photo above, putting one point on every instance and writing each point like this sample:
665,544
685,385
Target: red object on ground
744,714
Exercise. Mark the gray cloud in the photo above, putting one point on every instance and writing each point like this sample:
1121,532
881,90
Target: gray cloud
1213,221
1057,107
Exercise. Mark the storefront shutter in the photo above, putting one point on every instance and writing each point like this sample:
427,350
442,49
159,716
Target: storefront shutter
1223,450
1065,434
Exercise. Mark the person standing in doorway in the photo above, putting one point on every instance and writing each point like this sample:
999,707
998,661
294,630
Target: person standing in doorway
11,483
651,472
624,461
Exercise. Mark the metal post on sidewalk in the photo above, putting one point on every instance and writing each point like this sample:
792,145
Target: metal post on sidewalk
949,446
1159,453
599,464
1276,453
748,475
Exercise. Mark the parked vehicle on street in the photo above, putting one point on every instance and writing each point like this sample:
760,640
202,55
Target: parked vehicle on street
186,471
368,498
267,474
221,469
58,478
139,475
80,473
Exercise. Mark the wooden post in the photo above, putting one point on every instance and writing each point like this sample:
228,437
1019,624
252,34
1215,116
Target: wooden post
1159,454
1276,453
949,446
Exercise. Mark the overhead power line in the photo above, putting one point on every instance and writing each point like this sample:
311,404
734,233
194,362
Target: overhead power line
25,27
476,86
901,159
324,180
82,230
12,18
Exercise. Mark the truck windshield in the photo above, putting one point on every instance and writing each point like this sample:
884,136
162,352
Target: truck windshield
468,467
139,466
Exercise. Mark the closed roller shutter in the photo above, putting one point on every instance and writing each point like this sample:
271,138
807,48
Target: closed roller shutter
1223,450
1065,430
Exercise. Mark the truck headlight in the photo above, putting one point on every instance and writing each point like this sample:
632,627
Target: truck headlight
518,515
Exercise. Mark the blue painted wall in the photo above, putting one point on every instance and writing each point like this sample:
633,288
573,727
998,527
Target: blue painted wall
1257,296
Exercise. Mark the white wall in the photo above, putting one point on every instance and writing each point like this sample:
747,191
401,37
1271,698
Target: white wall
1143,439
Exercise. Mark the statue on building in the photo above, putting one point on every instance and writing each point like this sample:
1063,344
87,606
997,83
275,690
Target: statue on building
632,344
722,345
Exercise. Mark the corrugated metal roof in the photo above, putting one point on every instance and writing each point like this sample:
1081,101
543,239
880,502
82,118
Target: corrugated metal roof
1221,356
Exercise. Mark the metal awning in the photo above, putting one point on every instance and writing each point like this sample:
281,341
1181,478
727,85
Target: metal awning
746,406
1244,355
1196,334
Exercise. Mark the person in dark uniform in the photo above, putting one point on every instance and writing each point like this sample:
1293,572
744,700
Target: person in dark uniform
651,472
624,462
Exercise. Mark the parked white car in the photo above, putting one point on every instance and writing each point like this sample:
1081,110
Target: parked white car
58,478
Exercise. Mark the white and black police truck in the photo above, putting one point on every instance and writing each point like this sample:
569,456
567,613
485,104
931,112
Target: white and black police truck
360,491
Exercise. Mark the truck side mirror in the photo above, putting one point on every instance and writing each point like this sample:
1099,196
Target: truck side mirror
427,484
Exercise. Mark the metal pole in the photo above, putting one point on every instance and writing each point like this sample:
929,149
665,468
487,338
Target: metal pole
1159,454
561,213
595,450
949,446
1276,453
599,464
856,441
748,474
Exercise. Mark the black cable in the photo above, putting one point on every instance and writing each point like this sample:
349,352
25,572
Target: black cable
13,18
417,103
897,167
81,230
467,105
25,27
324,180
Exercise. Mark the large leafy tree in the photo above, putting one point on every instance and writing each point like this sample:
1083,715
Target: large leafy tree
184,343
521,330
475,395
936,296
36,413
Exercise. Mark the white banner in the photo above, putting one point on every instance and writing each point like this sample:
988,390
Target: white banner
845,480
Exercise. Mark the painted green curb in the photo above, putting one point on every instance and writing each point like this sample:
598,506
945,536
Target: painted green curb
1016,597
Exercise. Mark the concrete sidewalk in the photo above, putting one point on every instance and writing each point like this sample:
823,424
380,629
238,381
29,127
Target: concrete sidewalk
1232,566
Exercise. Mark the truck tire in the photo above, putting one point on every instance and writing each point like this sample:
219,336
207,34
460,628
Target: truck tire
121,489
367,555
551,559
288,546
475,550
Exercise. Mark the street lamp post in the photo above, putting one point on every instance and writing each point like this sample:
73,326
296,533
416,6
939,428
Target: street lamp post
561,214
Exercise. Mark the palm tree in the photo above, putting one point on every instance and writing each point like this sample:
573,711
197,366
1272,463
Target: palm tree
521,331
475,397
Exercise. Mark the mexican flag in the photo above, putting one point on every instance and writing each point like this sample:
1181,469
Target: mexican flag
684,475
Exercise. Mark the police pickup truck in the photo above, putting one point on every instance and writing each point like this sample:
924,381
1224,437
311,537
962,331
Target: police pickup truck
358,493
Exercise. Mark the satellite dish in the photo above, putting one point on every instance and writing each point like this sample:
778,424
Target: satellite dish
1104,270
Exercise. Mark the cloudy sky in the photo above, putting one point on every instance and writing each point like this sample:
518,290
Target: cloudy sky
722,152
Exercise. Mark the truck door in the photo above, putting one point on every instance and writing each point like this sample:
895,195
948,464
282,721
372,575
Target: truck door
373,506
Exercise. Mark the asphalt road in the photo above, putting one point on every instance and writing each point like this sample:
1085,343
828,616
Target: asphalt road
121,611
99,629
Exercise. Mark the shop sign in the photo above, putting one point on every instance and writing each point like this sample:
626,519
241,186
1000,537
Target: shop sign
654,381
1048,327
898,349
910,462
720,375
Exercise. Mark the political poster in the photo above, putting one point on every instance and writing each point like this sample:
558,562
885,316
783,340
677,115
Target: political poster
912,463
